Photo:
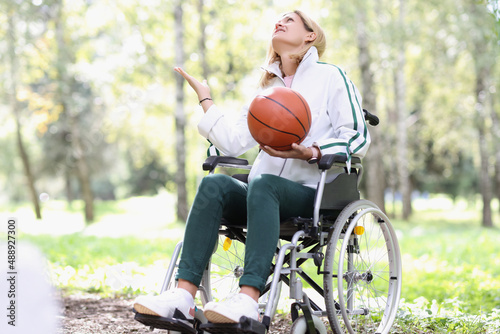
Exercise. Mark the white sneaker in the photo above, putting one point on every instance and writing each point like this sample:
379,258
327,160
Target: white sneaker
231,310
174,303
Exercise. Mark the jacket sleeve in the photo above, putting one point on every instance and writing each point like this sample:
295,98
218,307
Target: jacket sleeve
351,135
230,138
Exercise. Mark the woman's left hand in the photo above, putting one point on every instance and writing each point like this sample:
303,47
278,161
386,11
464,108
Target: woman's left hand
297,152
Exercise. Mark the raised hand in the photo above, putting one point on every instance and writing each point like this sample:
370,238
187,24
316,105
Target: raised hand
201,88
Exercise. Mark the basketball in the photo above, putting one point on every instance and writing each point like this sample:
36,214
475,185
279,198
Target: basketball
278,118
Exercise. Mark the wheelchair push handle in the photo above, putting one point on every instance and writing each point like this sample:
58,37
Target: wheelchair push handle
371,118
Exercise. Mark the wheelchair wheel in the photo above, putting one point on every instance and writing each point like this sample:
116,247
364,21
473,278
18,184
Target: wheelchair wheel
363,263
220,280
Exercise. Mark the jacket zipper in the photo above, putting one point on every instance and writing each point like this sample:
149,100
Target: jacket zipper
283,168
280,75
283,81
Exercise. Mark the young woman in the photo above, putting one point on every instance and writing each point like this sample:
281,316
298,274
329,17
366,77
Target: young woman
281,183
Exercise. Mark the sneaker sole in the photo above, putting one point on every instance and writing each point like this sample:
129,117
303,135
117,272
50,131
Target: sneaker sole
218,318
144,310
182,326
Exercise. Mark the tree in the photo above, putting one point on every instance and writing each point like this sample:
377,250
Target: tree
375,181
68,110
180,117
481,47
402,115
494,101
495,126
16,109
202,44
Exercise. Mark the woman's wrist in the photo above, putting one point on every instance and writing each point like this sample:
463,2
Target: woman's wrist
205,102
205,99
315,155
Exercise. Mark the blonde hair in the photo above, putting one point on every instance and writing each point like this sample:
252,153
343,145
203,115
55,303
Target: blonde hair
319,42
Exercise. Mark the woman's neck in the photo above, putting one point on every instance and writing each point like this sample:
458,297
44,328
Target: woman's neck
288,65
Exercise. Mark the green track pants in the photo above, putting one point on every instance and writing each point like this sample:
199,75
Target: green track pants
261,205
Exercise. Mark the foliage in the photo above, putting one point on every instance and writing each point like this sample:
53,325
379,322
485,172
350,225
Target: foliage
122,84
104,265
423,316
445,260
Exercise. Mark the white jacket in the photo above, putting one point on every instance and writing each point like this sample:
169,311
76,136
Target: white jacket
338,125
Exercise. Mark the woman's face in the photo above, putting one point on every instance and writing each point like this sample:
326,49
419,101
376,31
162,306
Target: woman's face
290,30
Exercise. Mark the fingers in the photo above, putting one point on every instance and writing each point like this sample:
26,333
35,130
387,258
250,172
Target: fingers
296,152
267,149
275,153
183,73
200,88
190,79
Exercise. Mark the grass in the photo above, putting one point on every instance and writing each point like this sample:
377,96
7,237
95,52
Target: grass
446,257
110,266
451,268
77,250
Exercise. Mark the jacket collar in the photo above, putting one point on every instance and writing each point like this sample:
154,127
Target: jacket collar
309,58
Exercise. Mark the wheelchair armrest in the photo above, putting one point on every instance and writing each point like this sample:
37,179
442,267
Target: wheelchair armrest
213,161
328,160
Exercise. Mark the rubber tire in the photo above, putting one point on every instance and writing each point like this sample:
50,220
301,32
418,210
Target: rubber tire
351,216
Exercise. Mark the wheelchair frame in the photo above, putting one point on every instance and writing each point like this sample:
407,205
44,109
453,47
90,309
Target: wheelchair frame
364,294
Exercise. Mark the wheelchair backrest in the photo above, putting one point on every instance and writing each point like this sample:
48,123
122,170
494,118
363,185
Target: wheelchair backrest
340,192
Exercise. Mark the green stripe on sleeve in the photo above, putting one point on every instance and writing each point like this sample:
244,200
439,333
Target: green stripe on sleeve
353,109
324,147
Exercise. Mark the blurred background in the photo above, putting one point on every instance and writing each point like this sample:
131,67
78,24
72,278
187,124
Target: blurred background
91,109
100,148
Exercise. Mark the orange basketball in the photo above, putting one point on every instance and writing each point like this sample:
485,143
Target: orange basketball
279,117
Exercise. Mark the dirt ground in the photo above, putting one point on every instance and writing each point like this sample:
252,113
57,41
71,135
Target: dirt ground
83,314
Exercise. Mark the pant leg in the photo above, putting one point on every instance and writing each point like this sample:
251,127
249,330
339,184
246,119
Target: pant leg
218,196
270,199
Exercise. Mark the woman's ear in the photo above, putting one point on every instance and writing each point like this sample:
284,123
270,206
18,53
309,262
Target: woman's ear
311,37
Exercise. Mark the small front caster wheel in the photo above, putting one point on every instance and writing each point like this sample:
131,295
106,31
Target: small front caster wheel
300,326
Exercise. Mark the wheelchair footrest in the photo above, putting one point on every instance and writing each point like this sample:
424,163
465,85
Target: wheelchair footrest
183,326
246,325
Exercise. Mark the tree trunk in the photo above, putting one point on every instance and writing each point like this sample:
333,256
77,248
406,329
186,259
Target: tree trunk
64,90
495,124
180,117
485,180
402,138
82,169
203,41
483,65
375,179
27,166
68,187
15,107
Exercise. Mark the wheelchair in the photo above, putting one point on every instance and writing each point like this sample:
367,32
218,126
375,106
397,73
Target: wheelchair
343,263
